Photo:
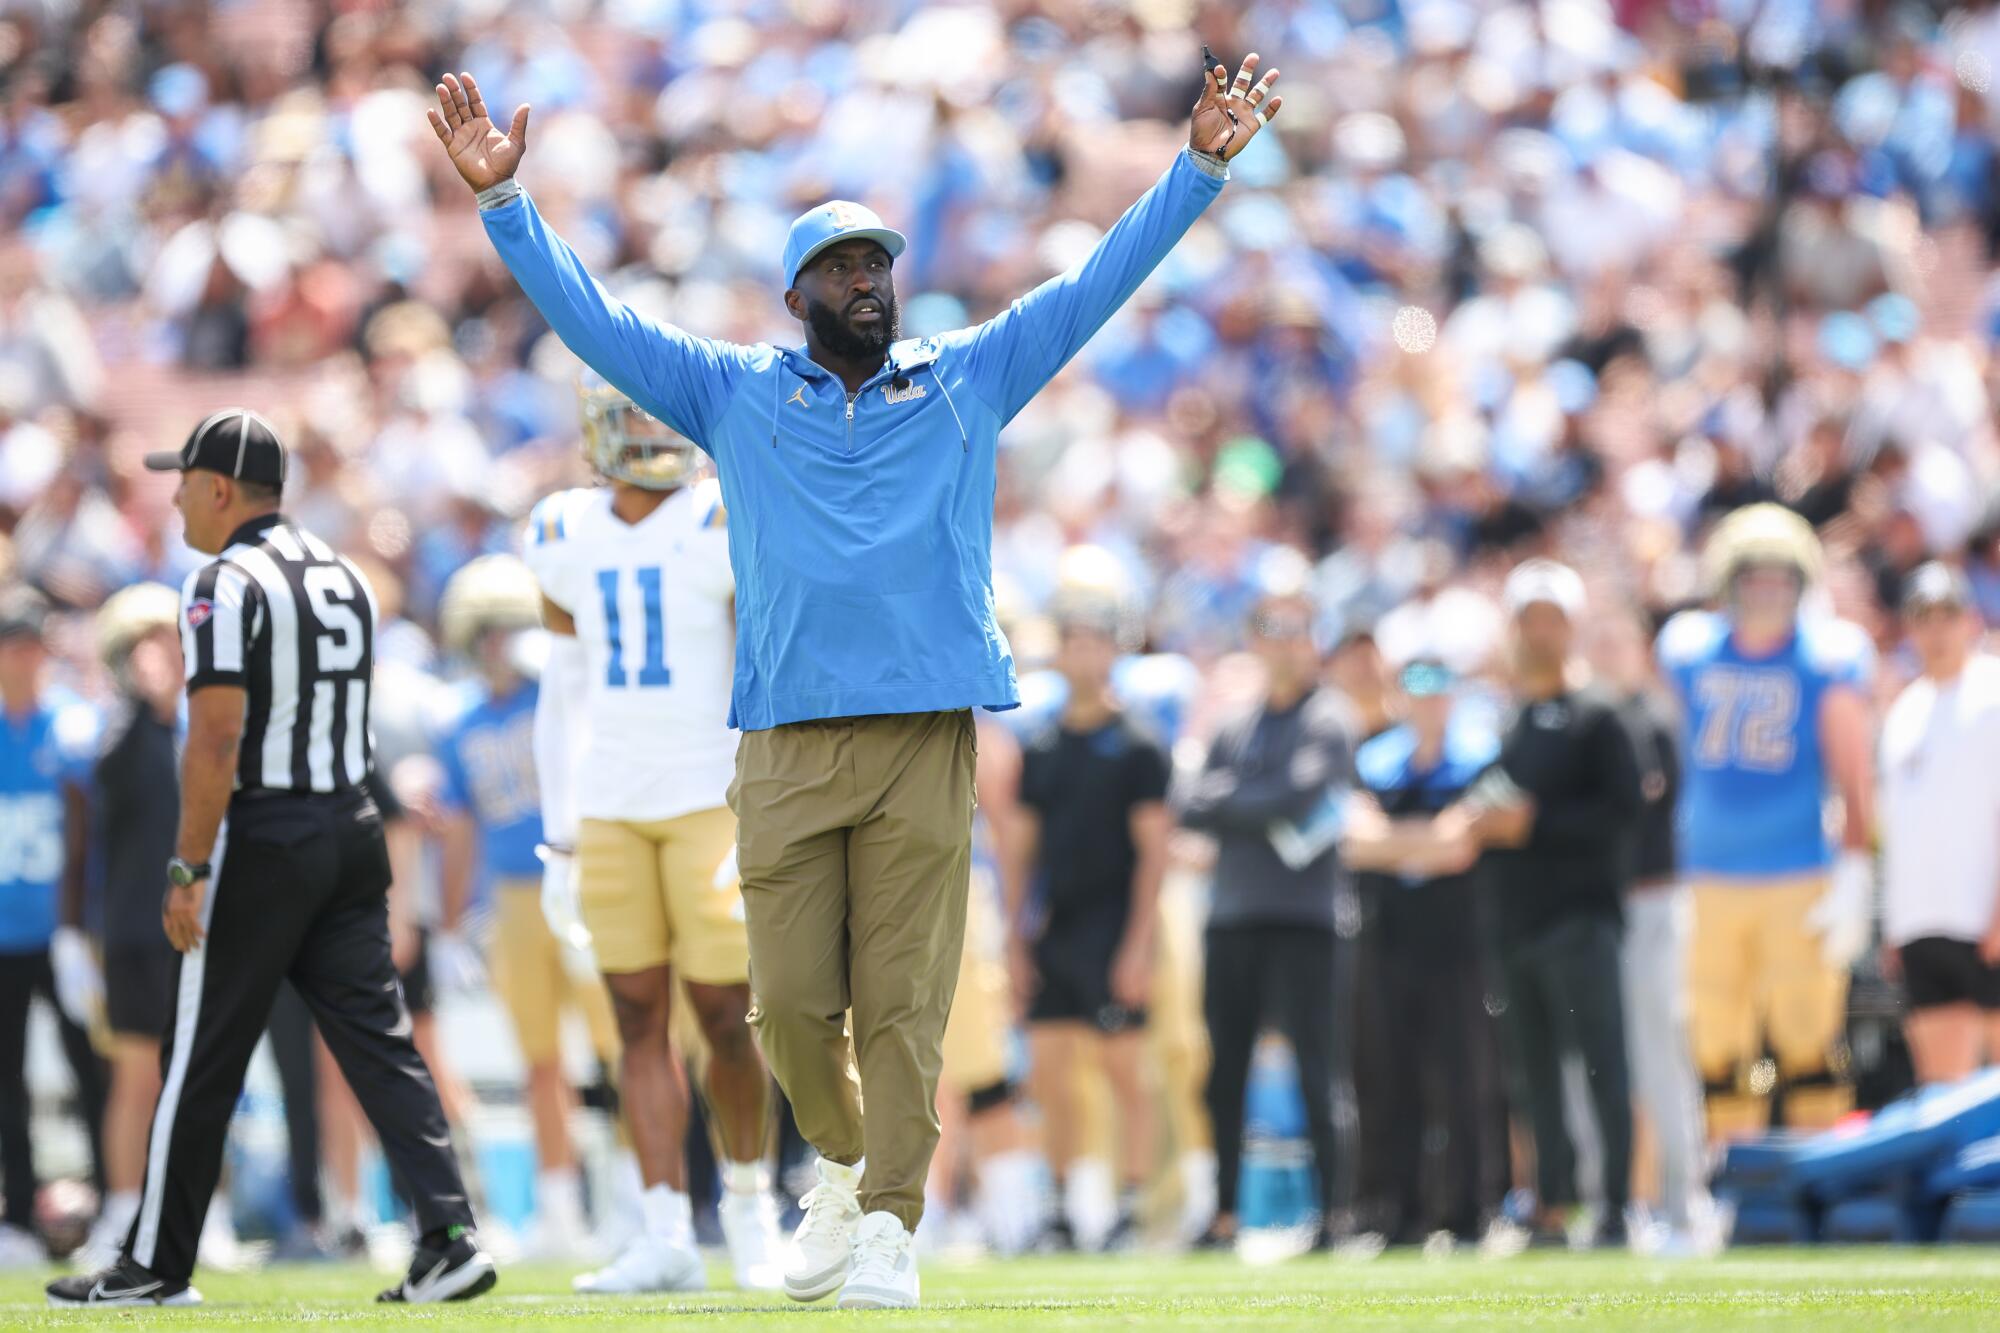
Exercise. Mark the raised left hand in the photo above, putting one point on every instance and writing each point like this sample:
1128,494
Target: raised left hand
1229,114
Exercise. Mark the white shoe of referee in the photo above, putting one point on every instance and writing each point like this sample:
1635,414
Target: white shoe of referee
750,1231
648,1263
884,1273
817,1261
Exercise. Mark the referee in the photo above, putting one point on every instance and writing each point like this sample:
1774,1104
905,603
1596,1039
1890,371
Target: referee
282,873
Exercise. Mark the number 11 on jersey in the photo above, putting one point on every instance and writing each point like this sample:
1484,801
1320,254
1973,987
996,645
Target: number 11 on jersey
652,671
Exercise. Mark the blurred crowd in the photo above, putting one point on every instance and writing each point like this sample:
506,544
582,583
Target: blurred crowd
1506,279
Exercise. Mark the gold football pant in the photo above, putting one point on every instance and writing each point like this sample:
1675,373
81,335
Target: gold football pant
535,986
1757,977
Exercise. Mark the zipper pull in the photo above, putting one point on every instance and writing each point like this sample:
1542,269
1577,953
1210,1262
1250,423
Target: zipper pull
850,407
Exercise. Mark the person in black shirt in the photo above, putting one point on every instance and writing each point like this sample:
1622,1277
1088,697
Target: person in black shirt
1556,816
1091,837
135,811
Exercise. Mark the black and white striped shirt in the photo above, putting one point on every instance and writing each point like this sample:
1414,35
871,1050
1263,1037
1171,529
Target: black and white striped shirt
281,616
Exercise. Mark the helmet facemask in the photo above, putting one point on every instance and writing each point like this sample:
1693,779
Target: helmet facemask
626,444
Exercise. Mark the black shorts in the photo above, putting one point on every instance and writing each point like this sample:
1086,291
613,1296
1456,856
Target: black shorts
139,982
1939,971
418,993
1074,961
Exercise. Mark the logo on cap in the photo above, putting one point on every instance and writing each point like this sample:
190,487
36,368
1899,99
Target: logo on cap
843,214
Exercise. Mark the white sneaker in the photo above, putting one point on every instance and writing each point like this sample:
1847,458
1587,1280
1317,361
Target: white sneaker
1090,1203
884,1273
750,1230
1198,1197
817,1261
558,1233
1011,1201
647,1264
220,1249
20,1249
621,1217
551,1240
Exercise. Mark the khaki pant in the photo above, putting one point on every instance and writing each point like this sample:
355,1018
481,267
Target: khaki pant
854,840
1756,975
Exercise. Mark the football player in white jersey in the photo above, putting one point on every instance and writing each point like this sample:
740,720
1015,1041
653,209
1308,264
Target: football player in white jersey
635,758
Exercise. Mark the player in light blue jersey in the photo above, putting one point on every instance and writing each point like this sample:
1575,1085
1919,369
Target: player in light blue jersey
1776,719
46,749
493,824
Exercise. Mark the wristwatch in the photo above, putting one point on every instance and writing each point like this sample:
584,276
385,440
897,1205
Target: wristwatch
181,873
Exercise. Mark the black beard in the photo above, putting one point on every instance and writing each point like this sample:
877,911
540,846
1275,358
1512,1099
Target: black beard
844,339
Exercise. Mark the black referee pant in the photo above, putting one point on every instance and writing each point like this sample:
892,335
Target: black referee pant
299,891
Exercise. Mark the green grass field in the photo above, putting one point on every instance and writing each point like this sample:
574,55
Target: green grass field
1873,1289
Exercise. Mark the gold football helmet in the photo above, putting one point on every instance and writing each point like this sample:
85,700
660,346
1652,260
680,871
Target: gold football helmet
1761,534
492,592
130,614
626,443
1093,590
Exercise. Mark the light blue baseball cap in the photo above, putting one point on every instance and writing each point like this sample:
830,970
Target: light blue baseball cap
835,221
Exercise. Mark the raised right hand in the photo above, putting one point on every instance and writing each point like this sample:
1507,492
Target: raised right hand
483,155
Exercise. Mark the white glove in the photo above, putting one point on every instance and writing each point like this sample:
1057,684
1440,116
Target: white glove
79,981
455,962
726,875
562,898
1844,913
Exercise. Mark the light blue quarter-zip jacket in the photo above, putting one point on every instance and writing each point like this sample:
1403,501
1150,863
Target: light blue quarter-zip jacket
860,527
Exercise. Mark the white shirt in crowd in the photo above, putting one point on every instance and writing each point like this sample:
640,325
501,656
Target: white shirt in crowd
1941,806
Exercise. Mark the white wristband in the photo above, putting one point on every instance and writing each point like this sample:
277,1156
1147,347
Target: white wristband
499,194
1209,164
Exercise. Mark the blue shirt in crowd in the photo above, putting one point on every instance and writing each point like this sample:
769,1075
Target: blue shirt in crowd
41,753
488,755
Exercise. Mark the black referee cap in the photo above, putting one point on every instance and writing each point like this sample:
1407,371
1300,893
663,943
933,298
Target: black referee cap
235,442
